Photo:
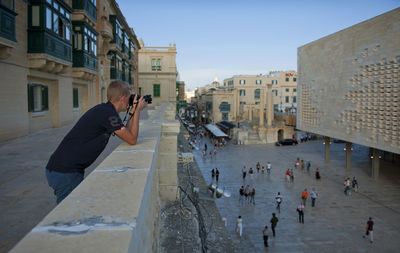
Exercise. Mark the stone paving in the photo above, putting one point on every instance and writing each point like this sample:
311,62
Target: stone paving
336,224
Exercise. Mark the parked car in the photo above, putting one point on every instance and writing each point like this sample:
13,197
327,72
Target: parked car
286,142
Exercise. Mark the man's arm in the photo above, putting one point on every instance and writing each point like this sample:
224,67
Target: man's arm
130,133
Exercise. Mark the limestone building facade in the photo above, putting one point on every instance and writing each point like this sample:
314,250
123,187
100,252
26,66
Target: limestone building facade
349,85
54,60
158,73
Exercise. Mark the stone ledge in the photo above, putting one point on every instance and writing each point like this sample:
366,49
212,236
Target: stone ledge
116,208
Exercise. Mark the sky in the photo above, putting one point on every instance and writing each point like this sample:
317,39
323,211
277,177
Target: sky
222,38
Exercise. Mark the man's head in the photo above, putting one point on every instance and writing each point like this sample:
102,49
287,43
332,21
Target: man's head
118,94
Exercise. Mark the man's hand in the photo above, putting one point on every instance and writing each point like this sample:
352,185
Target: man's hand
138,104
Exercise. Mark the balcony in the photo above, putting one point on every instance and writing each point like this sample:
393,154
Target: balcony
82,7
7,23
84,65
116,74
42,41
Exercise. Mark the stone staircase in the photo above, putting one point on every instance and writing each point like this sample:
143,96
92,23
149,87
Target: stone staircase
254,138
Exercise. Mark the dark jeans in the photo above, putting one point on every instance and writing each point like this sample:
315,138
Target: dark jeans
301,216
313,201
273,230
265,237
63,183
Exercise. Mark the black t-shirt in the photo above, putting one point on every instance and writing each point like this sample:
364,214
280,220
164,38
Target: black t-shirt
86,140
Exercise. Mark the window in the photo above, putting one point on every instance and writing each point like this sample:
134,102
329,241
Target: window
294,99
294,90
38,98
140,90
275,92
75,97
287,89
258,81
225,116
257,93
257,103
225,107
242,81
287,79
156,64
287,99
242,102
274,81
294,79
57,20
35,15
48,18
156,90
242,92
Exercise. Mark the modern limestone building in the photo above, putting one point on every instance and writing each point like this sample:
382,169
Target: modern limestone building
349,86
158,73
56,59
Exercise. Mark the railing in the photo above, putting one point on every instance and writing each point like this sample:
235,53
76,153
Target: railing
116,208
85,60
41,41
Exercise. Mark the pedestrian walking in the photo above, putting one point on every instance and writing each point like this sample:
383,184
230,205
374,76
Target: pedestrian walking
317,175
269,167
211,154
274,220
251,173
244,172
304,196
287,175
212,175
278,200
300,210
354,184
215,152
297,164
308,164
246,193
216,174
370,230
205,147
262,169
258,166
265,236
346,185
314,196
252,196
302,165
239,226
291,176
241,195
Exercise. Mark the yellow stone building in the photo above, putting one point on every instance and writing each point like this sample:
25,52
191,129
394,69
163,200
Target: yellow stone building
158,73
56,59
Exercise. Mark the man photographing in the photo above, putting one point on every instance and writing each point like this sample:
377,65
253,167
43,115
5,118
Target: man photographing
90,135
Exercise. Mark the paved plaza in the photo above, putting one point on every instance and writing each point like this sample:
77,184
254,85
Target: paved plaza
337,222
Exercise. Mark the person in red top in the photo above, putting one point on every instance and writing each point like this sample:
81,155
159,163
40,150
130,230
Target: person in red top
304,196
288,175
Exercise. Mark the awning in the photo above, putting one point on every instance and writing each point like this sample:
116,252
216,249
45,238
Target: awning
225,125
215,130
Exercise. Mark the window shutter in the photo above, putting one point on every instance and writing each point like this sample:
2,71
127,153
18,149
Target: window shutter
30,98
45,98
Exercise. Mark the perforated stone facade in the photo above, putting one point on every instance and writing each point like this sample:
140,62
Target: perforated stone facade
349,85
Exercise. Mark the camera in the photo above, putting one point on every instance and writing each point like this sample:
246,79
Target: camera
146,98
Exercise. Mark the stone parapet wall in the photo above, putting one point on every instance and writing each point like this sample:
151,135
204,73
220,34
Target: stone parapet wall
116,208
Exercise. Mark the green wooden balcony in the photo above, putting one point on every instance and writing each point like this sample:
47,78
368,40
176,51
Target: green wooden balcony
82,59
86,5
42,41
7,23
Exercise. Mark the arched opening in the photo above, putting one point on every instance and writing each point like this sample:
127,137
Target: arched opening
280,134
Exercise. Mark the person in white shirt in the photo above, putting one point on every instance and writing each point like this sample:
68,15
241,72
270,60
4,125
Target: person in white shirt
239,225
268,167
